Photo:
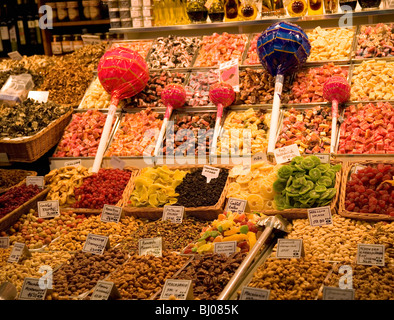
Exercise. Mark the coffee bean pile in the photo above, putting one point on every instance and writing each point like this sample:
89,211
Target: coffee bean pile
194,191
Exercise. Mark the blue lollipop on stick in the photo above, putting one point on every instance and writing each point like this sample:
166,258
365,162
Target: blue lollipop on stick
282,49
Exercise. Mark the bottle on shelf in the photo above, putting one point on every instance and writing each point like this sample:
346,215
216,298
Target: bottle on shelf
12,26
216,11
315,7
348,3
278,8
296,8
331,6
247,10
369,4
4,31
197,11
231,10
22,27
266,8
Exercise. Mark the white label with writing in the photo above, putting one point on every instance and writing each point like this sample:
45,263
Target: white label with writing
173,213
210,173
370,254
35,180
39,96
286,154
111,213
73,163
151,246
319,216
117,163
259,157
236,205
225,247
289,248
48,209
18,250
229,73
15,55
249,293
31,290
103,290
177,288
4,242
90,39
95,243
333,293
324,157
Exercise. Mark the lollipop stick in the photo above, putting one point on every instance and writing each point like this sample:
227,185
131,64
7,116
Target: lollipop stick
219,115
104,138
275,113
334,124
162,130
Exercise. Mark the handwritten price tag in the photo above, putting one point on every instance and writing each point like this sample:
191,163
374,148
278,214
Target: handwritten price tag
319,216
210,173
151,246
225,247
177,288
286,154
173,213
35,180
289,248
111,213
95,244
39,96
249,293
31,290
370,254
104,290
333,293
236,205
48,209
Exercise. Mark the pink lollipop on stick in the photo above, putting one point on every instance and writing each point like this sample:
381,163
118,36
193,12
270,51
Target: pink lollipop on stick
222,95
337,90
174,97
123,73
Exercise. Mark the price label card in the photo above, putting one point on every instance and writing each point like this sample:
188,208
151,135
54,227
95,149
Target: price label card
19,250
324,157
229,73
15,55
35,180
173,213
31,290
370,254
225,247
333,293
73,163
117,163
39,96
249,293
90,39
4,242
111,213
95,244
48,209
289,248
180,289
236,205
105,290
210,173
319,216
151,246
286,154
259,157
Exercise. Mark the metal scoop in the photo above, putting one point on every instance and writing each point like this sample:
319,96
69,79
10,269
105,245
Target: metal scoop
7,291
273,226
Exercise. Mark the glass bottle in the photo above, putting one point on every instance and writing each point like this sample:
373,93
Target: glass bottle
315,7
351,3
266,8
331,6
216,11
231,10
369,4
296,8
247,10
278,8
197,11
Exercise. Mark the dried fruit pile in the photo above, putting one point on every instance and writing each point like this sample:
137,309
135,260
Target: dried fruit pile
16,197
367,191
375,41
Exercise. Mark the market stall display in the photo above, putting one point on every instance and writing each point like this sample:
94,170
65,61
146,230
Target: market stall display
12,177
141,46
197,87
95,97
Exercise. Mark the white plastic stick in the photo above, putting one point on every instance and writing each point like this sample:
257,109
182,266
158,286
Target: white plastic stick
334,124
275,114
104,138
162,131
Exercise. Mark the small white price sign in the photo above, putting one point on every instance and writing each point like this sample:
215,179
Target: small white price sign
289,248
48,209
90,39
35,180
319,216
105,290
333,293
117,163
19,250
324,157
225,247
31,290
173,213
15,55
96,244
180,289
111,213
249,293
229,73
151,246
39,96
236,205
370,254
286,154
259,157
4,242
73,163
210,173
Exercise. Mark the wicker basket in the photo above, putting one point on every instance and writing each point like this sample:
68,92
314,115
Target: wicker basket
203,213
360,215
134,173
32,148
14,216
28,173
302,213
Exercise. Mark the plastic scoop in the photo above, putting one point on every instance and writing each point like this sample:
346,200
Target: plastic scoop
123,73
222,95
174,97
337,90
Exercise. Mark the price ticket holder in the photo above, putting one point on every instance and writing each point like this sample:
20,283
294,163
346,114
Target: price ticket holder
105,290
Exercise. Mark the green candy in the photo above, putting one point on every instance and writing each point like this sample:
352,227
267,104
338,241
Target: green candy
307,163
279,186
320,188
315,174
285,172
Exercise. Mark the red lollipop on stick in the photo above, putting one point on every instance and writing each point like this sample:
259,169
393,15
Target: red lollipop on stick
174,97
123,73
337,90
222,95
